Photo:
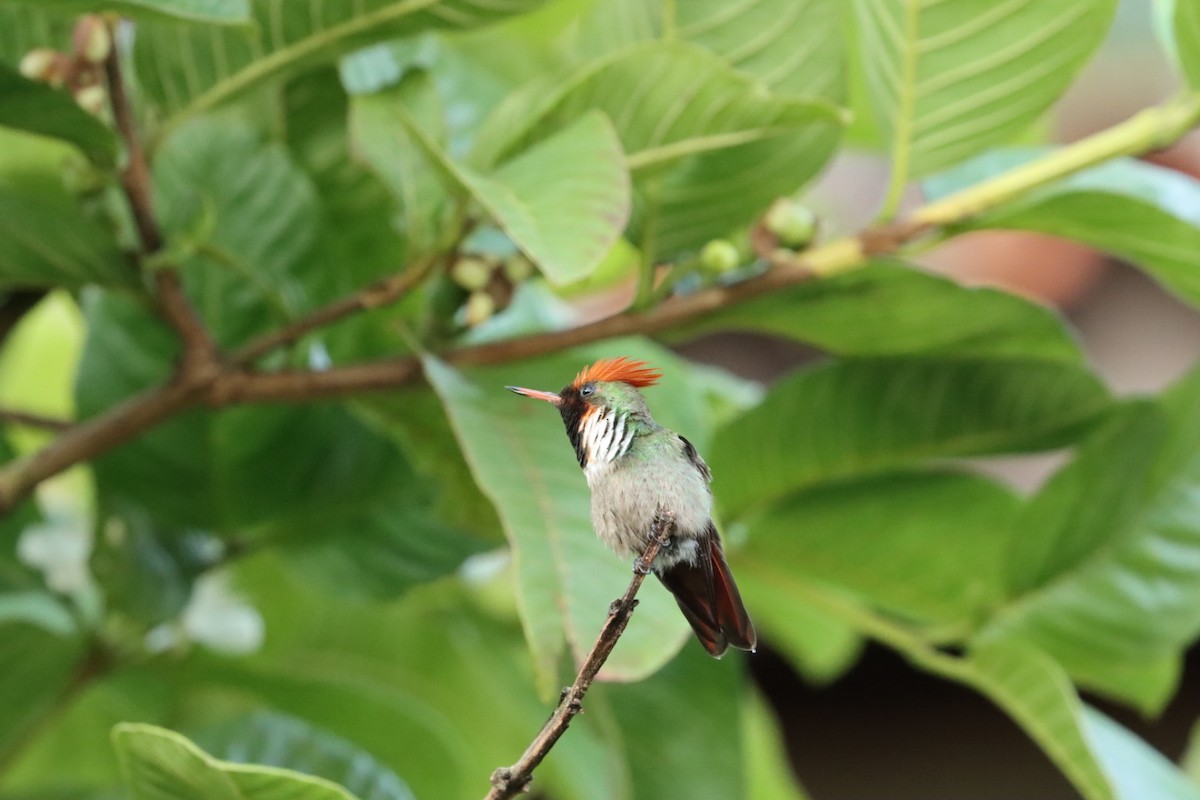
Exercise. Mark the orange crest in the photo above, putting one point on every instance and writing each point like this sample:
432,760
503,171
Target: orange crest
635,373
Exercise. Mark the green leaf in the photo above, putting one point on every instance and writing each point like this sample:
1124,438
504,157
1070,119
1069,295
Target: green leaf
25,27
768,770
853,418
949,79
1135,769
242,217
219,12
708,172
793,46
37,667
407,679
159,764
928,546
45,238
190,69
383,550
664,725
146,570
819,646
1111,589
1145,214
1033,690
521,459
1182,36
565,201
886,309
35,107
280,740
380,136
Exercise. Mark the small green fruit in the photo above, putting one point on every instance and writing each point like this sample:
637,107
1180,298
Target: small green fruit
719,256
480,308
517,268
793,224
471,273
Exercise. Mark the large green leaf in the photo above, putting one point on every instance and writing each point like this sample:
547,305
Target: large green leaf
279,740
189,69
37,667
819,646
792,46
45,237
35,107
521,459
667,719
1033,690
769,773
927,546
163,765
708,145
25,27
853,418
1182,23
242,217
1145,214
564,201
222,12
406,682
380,132
886,309
949,79
1107,551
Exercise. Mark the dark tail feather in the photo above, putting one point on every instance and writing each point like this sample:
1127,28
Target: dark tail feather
709,599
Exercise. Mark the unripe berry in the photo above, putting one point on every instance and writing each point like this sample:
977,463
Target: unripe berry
92,98
36,63
517,268
793,224
91,39
719,256
471,273
480,308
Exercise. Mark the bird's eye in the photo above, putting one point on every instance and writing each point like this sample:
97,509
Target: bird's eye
588,388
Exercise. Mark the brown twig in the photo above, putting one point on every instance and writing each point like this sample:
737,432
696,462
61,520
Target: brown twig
31,420
380,293
199,350
510,781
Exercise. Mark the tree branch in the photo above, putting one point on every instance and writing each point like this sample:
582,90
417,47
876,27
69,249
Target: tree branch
227,384
31,420
199,350
510,781
380,293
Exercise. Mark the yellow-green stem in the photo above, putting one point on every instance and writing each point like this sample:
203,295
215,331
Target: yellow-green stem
1149,130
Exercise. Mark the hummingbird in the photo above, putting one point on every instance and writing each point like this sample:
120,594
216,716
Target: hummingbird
634,466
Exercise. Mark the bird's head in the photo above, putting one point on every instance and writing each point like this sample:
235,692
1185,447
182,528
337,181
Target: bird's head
610,385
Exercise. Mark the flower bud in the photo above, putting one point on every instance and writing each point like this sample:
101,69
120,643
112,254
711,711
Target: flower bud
92,99
91,39
480,308
37,63
517,268
471,273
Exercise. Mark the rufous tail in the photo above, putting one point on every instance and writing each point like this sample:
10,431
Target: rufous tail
709,599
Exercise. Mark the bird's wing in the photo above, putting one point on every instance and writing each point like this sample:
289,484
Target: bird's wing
689,450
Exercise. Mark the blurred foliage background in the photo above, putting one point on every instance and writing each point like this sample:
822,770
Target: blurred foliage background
272,528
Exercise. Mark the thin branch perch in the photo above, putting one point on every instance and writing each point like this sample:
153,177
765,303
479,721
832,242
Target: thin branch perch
510,781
